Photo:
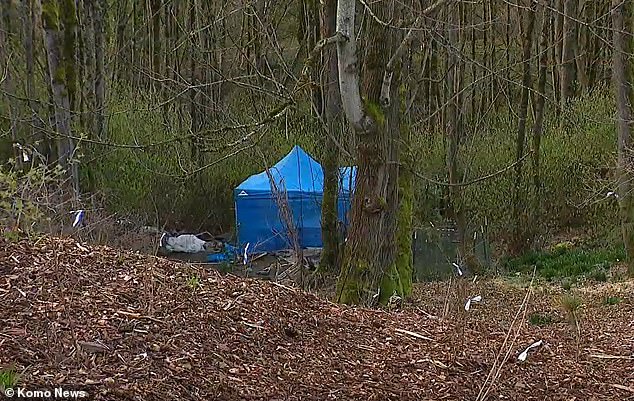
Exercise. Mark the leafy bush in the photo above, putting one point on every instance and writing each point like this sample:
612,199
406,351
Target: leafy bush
575,167
27,197
157,182
576,160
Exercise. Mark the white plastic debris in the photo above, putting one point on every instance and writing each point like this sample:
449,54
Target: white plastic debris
375,297
25,156
79,216
186,243
471,300
614,194
522,357
245,257
162,240
395,299
457,268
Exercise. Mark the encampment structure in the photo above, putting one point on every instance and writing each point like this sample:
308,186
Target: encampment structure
298,181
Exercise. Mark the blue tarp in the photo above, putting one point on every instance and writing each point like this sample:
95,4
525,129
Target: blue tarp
299,178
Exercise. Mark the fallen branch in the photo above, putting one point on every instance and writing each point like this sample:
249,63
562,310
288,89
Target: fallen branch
255,326
620,387
603,356
139,316
411,333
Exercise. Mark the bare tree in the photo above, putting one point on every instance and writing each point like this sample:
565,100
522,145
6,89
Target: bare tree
7,70
331,112
528,16
623,41
454,128
538,126
57,18
568,53
99,20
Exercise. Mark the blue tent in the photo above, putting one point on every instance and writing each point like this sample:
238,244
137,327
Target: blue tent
299,180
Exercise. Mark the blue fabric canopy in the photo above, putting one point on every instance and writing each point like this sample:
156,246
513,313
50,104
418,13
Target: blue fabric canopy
297,180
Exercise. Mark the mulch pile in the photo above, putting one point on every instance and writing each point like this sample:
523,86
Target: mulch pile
124,326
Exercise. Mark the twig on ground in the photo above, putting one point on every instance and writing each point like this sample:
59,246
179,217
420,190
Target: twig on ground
411,333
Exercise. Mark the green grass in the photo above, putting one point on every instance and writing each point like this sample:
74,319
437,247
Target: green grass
225,267
571,304
567,283
567,262
539,319
8,378
193,282
612,300
598,274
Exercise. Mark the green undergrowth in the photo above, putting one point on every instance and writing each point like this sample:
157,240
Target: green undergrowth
576,170
567,262
612,300
8,378
540,319
176,178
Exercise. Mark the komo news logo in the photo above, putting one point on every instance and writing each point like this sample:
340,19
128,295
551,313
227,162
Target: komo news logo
58,393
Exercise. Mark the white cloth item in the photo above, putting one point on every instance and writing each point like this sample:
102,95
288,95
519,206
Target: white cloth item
187,243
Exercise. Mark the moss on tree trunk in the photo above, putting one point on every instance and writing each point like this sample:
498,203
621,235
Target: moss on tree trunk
404,257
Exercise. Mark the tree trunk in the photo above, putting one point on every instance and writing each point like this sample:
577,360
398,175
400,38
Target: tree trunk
404,257
623,75
507,84
367,271
87,67
156,69
519,242
54,15
454,132
581,50
568,52
331,114
538,126
558,38
100,73
194,91
68,17
6,74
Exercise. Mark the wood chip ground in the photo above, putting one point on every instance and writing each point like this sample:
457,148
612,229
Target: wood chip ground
124,326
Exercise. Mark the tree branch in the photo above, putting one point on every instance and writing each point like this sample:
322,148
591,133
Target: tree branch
348,67
474,181
389,68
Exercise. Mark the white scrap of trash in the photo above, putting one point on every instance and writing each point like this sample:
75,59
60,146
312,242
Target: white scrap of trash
522,357
614,194
457,268
79,217
471,300
245,258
